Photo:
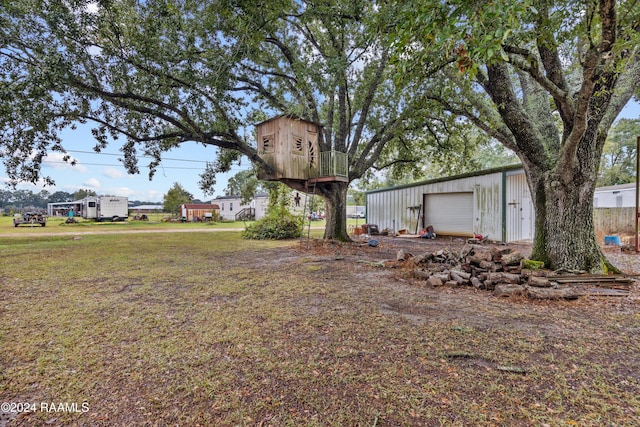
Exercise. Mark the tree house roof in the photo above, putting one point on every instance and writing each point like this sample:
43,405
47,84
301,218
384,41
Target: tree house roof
289,116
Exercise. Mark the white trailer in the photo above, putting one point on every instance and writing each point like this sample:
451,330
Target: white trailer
101,208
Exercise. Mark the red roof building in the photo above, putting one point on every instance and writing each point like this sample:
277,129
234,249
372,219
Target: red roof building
199,212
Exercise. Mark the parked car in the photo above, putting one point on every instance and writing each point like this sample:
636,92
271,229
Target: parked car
30,218
314,216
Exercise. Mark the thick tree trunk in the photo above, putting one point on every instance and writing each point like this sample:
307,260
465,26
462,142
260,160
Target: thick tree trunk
565,236
335,195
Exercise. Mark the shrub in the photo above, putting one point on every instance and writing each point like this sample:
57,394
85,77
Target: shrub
274,227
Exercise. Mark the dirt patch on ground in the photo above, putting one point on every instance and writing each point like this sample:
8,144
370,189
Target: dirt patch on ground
410,299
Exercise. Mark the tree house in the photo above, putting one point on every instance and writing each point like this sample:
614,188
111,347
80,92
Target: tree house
290,145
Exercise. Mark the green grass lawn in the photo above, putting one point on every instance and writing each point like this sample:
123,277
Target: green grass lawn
188,329
155,222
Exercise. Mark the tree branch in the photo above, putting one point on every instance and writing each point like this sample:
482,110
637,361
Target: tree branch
500,89
394,162
593,68
292,61
366,104
525,61
548,50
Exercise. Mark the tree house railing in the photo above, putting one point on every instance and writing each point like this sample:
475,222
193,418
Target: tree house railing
333,163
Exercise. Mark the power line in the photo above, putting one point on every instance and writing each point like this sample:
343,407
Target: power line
107,164
120,165
148,157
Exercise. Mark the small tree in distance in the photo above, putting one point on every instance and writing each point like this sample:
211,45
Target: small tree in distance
175,197
279,223
244,184
82,193
618,162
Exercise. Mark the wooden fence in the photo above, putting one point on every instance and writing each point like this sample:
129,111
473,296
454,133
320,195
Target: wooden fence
614,220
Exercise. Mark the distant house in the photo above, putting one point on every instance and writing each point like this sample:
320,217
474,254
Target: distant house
232,208
198,212
615,196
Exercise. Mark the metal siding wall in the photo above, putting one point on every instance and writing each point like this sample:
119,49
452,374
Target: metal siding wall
410,216
488,206
381,210
607,199
374,208
390,208
386,206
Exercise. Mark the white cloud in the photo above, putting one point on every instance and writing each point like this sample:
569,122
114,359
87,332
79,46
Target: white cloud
110,172
55,160
120,191
152,195
36,188
134,194
92,183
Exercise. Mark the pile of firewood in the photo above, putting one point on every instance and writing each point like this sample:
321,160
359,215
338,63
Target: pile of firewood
506,272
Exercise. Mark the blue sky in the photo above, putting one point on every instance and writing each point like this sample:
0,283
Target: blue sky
105,174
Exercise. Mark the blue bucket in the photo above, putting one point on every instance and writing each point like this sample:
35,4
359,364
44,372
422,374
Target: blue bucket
612,240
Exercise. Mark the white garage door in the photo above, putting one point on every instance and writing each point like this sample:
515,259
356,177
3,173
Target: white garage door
449,213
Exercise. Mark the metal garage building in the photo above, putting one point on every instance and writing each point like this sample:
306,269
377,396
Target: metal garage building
494,203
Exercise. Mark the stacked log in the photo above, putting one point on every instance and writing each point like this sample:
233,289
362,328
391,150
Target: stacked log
502,271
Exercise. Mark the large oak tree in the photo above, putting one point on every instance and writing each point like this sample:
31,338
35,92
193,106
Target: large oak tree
547,79
164,72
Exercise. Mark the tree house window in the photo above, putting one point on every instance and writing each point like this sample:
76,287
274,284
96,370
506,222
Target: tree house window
298,145
268,144
312,154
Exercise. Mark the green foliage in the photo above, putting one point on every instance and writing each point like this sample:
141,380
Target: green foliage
244,184
618,162
274,227
60,196
356,197
279,223
175,197
81,194
494,155
279,198
225,158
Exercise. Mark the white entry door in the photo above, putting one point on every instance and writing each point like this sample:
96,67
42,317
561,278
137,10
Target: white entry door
526,211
